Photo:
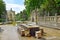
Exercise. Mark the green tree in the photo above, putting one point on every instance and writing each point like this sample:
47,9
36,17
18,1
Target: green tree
33,5
58,6
23,16
44,6
51,6
2,10
17,17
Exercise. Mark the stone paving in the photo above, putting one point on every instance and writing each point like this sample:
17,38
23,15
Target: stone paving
9,32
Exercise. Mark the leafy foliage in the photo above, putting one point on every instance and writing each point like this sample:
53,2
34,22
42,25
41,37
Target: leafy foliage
22,16
2,9
44,6
32,4
51,6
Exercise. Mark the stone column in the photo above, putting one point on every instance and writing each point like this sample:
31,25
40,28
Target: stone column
56,19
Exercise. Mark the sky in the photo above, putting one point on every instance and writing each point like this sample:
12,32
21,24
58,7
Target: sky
16,5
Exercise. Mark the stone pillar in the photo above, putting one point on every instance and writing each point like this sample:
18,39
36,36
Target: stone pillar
56,19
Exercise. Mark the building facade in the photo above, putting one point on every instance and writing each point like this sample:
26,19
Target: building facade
10,15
